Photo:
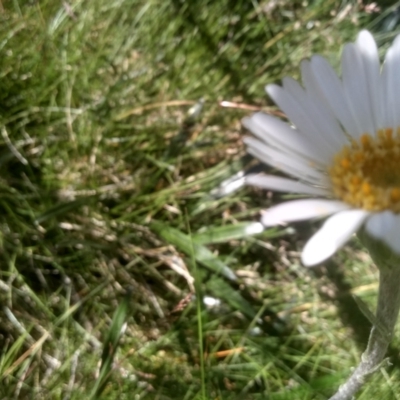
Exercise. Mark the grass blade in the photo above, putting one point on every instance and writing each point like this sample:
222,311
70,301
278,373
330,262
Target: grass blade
110,346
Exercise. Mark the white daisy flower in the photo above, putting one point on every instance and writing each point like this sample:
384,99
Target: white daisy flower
343,148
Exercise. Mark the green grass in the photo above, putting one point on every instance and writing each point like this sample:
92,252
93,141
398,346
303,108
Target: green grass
108,224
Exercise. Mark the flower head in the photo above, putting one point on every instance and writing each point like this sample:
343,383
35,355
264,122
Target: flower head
342,149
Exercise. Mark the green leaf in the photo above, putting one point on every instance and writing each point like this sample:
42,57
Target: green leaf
222,234
199,252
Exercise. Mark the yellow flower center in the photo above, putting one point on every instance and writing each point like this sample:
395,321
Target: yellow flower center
366,174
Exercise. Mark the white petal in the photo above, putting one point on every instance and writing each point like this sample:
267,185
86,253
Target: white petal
292,164
293,111
325,123
388,94
393,240
298,210
254,228
229,185
310,82
335,232
355,89
370,59
279,184
391,85
312,85
278,133
379,224
331,86
385,226
303,118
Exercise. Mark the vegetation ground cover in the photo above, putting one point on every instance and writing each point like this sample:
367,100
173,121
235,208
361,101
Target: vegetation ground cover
124,273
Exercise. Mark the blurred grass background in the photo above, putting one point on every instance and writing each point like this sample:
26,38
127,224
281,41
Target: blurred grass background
122,274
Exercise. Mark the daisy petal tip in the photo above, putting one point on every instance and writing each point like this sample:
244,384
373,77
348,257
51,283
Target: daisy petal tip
271,89
316,253
365,35
268,220
318,249
246,122
254,229
249,140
